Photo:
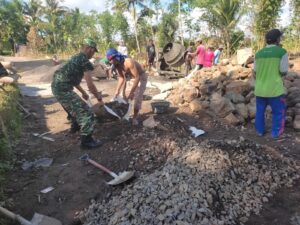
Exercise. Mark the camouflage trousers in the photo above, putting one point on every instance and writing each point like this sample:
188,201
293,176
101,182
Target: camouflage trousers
78,111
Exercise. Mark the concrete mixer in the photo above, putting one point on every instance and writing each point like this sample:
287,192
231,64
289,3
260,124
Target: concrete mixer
170,58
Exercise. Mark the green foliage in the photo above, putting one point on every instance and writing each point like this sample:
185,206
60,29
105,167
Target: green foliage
10,127
13,28
167,29
266,17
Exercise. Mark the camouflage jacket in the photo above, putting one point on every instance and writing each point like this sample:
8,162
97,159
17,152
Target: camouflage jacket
71,73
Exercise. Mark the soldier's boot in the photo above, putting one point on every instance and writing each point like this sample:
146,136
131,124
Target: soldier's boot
88,142
74,128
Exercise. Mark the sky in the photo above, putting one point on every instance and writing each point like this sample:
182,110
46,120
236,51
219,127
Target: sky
86,5
101,5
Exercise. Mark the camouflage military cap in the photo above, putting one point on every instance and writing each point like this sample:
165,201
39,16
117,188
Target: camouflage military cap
90,42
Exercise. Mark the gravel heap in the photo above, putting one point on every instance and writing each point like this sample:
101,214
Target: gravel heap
213,183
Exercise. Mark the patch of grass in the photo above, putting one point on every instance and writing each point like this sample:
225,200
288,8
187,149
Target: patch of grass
10,127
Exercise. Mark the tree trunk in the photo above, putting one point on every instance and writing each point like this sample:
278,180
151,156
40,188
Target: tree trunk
135,30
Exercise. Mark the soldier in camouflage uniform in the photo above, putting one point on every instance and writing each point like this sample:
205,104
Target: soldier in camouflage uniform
70,76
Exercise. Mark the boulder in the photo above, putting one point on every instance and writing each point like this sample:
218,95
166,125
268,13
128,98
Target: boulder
176,99
243,55
235,97
251,110
221,106
296,83
249,96
288,84
290,112
190,94
232,119
195,105
242,110
296,123
238,86
297,111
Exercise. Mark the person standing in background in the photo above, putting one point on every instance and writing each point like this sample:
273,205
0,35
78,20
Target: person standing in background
208,57
151,54
217,54
189,58
200,53
122,48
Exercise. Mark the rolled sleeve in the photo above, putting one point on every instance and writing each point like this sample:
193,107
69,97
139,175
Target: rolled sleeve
284,63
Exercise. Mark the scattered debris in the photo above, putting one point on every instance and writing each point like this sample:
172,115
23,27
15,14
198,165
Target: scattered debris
43,162
43,137
48,189
150,122
196,132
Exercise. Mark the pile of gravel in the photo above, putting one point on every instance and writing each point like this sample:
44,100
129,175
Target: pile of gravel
217,182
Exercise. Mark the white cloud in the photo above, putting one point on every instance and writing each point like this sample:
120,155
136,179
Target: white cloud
86,6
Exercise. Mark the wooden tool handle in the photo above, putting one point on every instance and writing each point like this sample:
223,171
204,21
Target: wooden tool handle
102,168
14,216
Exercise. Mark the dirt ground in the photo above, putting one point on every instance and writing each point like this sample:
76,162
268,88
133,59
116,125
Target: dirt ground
77,183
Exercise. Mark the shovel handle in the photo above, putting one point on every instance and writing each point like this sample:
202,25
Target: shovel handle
102,168
14,216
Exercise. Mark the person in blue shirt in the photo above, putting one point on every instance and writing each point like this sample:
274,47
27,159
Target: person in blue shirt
217,55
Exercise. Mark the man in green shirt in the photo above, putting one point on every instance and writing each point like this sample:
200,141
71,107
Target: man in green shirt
271,62
64,81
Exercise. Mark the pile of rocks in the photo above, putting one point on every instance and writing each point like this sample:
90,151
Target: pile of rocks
217,182
229,92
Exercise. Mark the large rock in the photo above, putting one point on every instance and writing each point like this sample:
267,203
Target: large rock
195,105
221,106
190,94
249,96
242,110
238,86
176,99
296,123
288,84
232,119
235,97
251,110
243,55
296,83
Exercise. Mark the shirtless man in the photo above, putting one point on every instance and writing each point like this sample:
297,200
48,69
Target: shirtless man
123,66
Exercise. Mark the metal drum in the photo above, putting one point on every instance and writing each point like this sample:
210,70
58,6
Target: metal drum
174,54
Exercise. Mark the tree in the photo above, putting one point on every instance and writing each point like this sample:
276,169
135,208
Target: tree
266,14
13,27
53,14
167,29
130,5
33,12
225,16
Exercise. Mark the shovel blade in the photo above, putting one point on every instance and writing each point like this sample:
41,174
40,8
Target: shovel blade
39,219
122,177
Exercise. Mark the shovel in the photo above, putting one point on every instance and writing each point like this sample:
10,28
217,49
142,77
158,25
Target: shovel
109,110
38,219
118,179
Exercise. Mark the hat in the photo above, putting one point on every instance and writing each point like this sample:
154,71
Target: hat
90,42
113,53
221,46
273,35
